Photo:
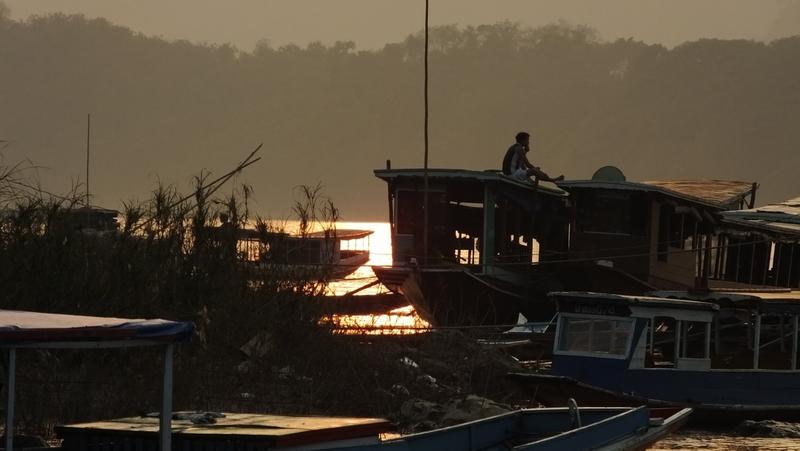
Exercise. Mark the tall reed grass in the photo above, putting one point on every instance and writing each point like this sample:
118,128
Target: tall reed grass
260,345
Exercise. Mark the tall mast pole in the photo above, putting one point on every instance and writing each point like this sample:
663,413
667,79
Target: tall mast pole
425,176
88,135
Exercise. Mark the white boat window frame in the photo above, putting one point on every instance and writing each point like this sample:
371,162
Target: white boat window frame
599,355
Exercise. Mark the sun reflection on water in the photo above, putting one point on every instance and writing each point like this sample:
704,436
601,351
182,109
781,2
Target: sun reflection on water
403,320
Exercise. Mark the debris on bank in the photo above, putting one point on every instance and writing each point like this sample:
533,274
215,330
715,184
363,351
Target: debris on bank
420,415
769,428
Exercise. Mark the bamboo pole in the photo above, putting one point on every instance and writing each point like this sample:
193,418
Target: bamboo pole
425,202
10,388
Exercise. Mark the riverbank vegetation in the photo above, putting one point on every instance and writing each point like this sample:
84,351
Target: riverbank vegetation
260,344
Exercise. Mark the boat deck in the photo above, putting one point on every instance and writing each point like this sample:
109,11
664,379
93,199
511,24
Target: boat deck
228,431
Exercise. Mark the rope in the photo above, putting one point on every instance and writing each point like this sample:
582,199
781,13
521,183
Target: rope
605,257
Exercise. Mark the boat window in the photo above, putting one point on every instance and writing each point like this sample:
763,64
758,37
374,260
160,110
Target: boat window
595,335
693,339
661,342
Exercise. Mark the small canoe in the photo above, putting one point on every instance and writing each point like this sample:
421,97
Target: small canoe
547,429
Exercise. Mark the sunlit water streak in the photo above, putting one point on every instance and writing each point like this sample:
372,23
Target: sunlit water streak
398,321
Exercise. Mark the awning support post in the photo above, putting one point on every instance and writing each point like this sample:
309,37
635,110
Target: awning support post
794,342
756,341
10,388
165,423
488,249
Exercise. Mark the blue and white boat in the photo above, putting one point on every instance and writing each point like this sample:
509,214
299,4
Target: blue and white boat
546,429
728,355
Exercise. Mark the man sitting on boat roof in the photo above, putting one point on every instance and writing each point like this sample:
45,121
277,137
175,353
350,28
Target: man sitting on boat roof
516,164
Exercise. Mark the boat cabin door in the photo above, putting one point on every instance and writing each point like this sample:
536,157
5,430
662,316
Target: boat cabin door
410,221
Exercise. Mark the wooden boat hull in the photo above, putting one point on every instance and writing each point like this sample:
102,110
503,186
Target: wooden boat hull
369,304
459,296
455,297
392,277
552,390
349,262
607,429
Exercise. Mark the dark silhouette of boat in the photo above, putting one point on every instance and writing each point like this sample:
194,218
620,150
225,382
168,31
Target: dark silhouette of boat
498,245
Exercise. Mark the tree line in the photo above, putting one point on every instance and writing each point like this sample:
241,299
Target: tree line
333,113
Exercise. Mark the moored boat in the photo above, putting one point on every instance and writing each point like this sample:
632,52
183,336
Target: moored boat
336,252
495,246
575,429
730,356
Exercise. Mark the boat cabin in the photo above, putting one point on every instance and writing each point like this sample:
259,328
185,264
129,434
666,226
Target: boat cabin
730,356
753,329
637,331
759,246
475,218
682,330
661,232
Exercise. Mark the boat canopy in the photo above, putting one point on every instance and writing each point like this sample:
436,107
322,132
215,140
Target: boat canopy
341,234
627,300
782,218
24,330
465,178
717,194
35,329
777,301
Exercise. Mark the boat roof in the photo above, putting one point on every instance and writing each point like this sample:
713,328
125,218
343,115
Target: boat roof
766,301
35,329
342,234
264,430
466,175
782,217
721,194
94,210
629,300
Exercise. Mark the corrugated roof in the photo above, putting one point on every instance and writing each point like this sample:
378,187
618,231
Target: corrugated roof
724,192
782,217
767,301
645,301
721,194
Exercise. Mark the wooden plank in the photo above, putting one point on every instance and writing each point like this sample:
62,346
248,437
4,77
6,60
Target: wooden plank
265,428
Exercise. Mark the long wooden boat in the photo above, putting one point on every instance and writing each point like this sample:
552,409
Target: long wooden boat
577,429
495,246
730,356
337,252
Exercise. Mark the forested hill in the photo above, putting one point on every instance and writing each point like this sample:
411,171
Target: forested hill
165,110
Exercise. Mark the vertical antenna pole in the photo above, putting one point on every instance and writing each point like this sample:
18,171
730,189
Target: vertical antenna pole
425,202
10,388
165,419
88,134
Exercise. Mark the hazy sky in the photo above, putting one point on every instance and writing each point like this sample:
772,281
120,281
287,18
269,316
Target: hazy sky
373,23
